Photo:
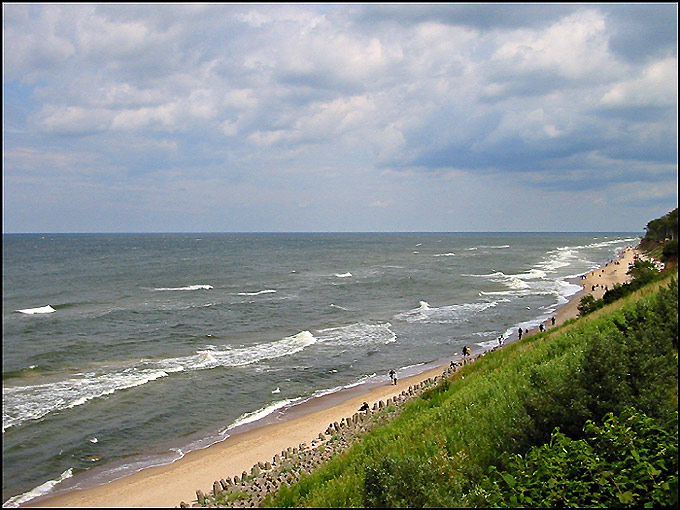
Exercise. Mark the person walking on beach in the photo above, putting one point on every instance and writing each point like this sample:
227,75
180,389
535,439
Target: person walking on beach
552,321
519,333
466,351
393,376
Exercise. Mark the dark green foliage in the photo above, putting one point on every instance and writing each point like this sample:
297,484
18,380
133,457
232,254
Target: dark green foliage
670,250
635,364
395,483
615,293
663,228
630,362
629,461
589,304
643,272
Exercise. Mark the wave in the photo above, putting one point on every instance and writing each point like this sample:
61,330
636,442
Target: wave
565,256
41,490
450,254
32,402
513,282
362,380
257,293
260,413
489,247
450,314
39,310
189,287
344,275
358,334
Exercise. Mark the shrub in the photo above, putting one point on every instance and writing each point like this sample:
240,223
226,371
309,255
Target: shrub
589,304
629,461
670,250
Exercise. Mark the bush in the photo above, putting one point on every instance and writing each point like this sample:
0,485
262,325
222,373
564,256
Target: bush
589,304
629,461
670,250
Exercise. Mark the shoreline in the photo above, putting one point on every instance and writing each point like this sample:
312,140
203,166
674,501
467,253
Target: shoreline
169,484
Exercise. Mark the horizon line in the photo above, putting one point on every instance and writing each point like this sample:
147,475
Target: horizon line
340,232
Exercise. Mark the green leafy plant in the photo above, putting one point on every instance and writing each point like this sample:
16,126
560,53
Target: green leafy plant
628,461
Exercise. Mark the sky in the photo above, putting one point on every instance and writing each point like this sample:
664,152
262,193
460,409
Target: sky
339,117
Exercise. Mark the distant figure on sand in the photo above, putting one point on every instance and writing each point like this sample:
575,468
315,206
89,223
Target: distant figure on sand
393,376
552,320
364,407
541,328
466,351
500,340
519,332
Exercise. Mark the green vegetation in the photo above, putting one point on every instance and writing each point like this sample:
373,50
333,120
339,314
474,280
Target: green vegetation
643,272
661,238
663,228
458,444
660,242
626,461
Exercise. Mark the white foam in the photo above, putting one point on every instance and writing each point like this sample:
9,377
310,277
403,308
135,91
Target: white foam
260,413
24,403
189,287
487,247
358,334
450,254
344,275
362,380
232,357
445,314
257,293
40,310
41,490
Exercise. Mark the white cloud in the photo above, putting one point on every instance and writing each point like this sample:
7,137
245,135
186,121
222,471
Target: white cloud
658,85
575,47
338,99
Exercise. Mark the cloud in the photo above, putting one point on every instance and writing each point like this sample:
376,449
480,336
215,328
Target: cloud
331,105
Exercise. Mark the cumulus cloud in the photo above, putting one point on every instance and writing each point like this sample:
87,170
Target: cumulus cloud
345,102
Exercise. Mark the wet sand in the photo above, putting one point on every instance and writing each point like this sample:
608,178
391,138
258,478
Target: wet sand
167,486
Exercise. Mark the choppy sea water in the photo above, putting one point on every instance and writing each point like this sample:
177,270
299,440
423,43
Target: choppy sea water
123,351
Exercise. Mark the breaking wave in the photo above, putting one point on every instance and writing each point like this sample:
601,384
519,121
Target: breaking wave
41,490
358,334
257,293
31,402
189,287
445,314
40,310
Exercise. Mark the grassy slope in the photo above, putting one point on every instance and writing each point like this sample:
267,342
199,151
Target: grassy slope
442,442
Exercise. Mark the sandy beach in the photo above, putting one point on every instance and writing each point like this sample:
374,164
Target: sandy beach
167,486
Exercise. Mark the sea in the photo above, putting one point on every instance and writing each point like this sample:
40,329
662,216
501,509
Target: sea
125,351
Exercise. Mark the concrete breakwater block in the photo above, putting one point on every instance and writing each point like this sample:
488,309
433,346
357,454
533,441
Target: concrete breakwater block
293,462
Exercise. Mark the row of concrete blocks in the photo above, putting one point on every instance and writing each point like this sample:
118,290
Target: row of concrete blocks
263,478
334,428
